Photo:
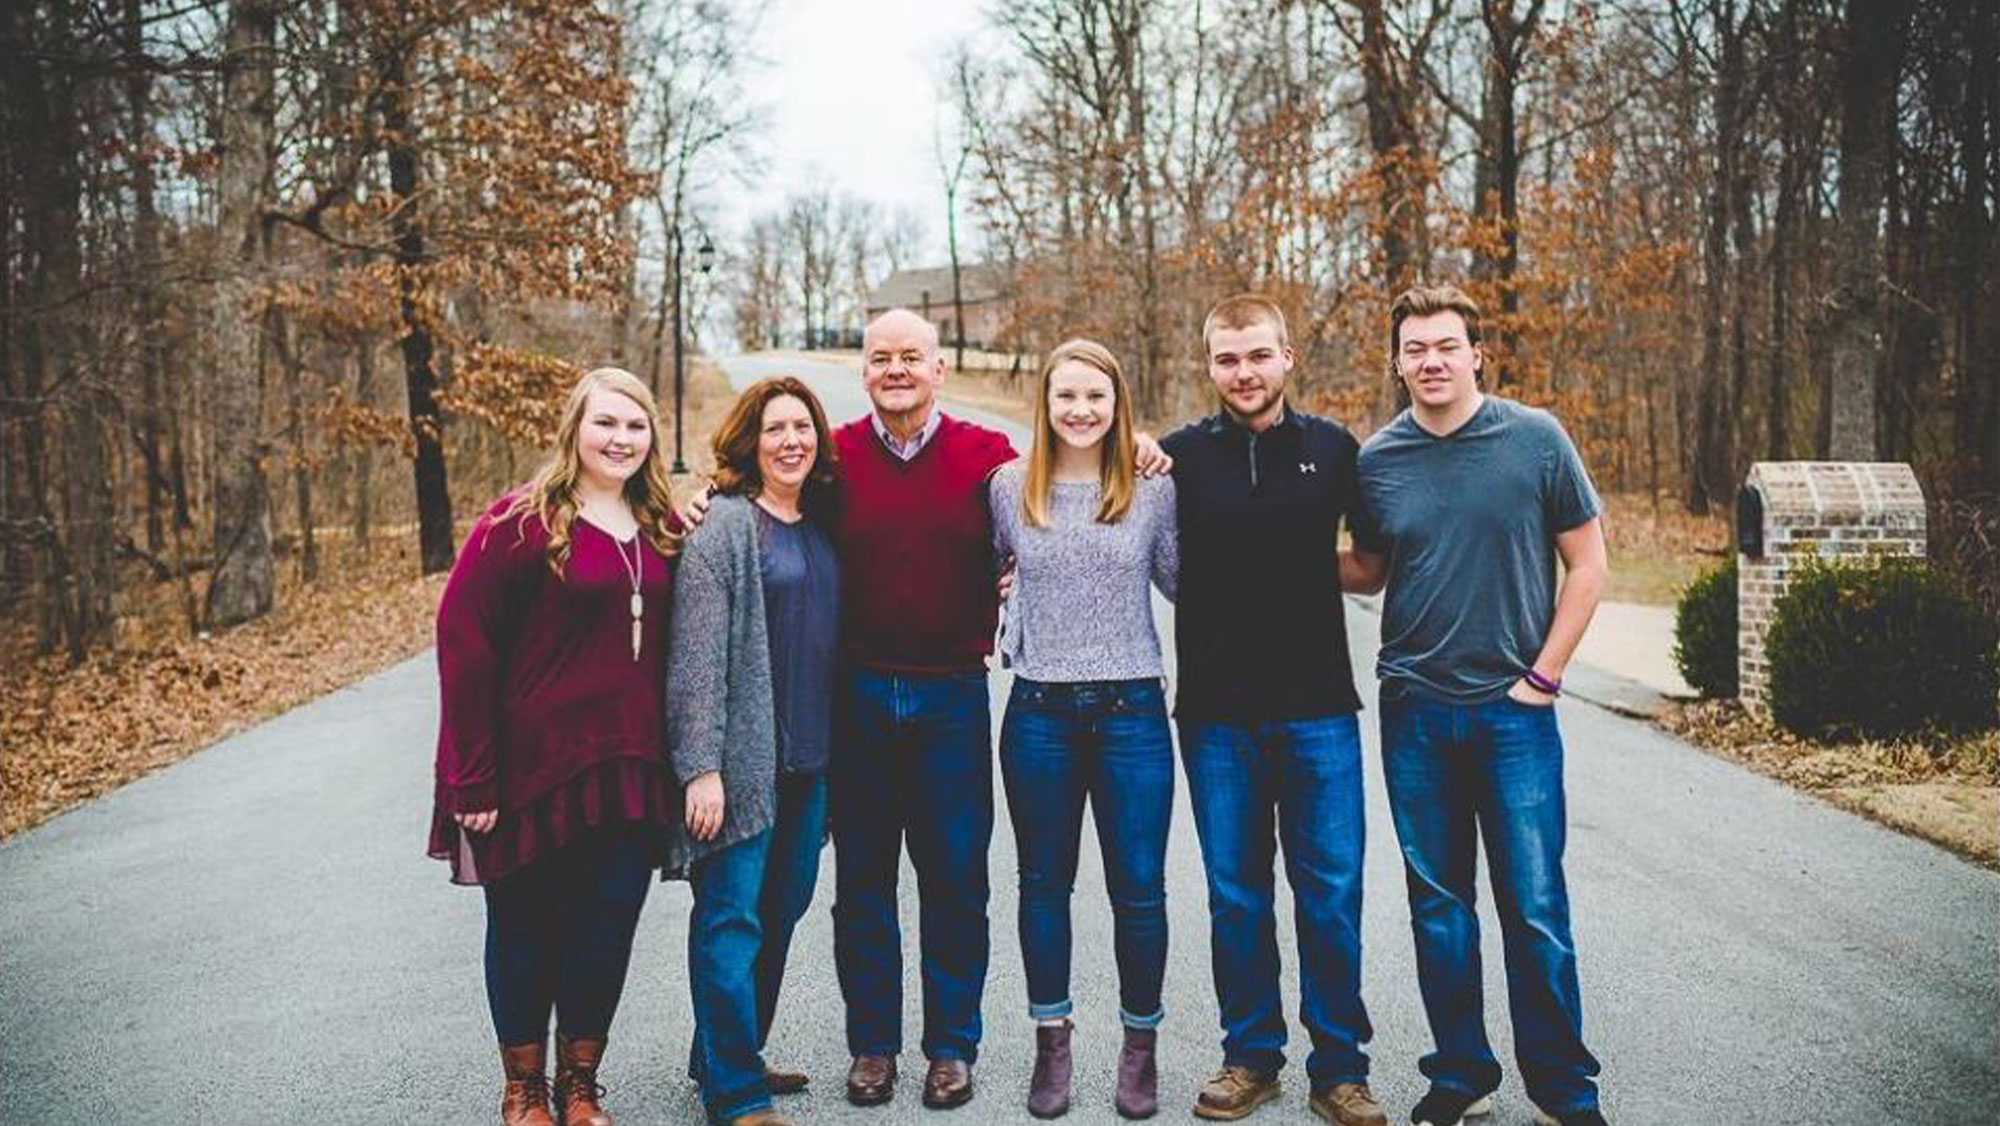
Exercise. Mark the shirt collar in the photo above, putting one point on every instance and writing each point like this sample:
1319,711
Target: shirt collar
916,444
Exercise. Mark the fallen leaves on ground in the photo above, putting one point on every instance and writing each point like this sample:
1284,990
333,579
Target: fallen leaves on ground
68,735
72,734
1944,789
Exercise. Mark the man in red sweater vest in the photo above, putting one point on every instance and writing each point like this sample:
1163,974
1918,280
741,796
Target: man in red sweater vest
914,760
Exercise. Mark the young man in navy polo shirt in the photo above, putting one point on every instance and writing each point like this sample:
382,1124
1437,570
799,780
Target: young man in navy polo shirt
1470,501
1266,711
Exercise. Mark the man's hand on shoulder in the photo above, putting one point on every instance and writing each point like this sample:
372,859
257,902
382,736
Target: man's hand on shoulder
697,508
1150,459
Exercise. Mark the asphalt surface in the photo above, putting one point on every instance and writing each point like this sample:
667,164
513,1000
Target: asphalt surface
255,936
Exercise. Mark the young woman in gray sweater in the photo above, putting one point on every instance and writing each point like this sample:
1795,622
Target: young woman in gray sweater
750,696
1087,719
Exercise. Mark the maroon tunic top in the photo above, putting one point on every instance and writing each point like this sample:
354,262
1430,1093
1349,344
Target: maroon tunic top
545,715
916,548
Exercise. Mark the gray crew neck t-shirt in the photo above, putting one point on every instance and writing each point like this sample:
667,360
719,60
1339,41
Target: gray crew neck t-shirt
801,578
1468,521
1082,607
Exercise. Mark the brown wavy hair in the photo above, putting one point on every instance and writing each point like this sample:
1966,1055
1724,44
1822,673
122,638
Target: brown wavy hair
1117,455
550,495
735,446
1426,301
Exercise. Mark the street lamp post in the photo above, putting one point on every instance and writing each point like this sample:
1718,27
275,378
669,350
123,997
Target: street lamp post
704,260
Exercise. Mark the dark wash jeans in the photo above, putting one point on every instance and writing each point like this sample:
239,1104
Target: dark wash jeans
1253,786
747,900
559,936
913,762
1458,774
1106,742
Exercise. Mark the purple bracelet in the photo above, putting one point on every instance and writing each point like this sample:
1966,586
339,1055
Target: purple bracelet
1543,684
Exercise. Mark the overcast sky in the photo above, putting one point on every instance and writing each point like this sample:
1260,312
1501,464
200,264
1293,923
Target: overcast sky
851,88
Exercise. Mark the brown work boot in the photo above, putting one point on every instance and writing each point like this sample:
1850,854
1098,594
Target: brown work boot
1048,1089
526,1102
1138,1074
577,1091
784,1081
947,1084
871,1081
1235,1092
1349,1104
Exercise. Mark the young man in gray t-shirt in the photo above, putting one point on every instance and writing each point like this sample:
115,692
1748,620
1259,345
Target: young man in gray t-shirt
1469,502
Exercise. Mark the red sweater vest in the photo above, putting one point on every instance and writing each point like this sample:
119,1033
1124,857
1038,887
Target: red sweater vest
916,548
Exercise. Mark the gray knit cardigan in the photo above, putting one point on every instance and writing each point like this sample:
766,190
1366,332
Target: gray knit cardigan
720,714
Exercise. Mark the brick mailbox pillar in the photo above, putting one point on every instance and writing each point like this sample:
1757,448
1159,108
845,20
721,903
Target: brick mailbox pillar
1789,512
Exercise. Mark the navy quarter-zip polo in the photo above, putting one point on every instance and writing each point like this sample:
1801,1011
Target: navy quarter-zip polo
1260,627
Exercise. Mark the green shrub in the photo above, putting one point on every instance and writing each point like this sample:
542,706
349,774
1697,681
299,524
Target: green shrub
1877,652
1705,632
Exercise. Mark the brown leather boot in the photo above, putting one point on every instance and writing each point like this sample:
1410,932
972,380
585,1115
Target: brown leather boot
576,1089
526,1102
1235,1092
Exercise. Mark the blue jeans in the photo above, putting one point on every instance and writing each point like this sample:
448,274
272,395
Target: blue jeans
914,762
1107,742
559,936
1253,786
1458,774
747,899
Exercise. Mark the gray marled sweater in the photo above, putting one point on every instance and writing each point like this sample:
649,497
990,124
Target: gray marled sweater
1082,607
719,688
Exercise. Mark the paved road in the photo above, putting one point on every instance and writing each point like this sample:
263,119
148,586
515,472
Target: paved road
254,936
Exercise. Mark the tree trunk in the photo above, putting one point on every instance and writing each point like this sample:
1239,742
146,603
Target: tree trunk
434,530
1976,409
364,450
1497,170
1871,62
295,409
146,266
243,584
1397,148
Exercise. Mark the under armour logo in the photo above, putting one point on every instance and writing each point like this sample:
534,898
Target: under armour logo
1308,467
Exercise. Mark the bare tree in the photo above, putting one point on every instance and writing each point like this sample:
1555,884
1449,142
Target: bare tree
244,581
1871,60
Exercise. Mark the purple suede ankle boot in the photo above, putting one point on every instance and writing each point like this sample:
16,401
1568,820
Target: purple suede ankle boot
1138,1074
1048,1091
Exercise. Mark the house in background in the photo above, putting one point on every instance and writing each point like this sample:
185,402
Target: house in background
988,306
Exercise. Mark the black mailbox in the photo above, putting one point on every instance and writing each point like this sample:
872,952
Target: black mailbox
1750,521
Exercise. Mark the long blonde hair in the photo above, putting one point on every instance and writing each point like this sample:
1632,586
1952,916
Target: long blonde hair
550,495
1117,470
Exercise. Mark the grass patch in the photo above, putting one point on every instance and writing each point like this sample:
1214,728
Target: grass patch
1942,788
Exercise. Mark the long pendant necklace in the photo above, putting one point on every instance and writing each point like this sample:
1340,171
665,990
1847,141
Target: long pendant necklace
634,567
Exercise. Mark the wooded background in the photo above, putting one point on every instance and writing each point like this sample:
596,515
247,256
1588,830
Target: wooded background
285,277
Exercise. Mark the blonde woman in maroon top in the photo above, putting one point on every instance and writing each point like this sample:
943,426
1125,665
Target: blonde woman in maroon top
552,790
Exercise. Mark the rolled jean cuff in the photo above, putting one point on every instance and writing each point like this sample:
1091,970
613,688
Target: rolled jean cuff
1053,1011
1142,1023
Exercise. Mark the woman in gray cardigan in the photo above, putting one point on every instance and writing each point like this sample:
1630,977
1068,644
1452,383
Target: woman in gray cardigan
749,702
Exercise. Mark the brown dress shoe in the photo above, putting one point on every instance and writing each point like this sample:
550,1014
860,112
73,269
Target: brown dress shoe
947,1084
871,1080
784,1081
1235,1092
577,1092
1349,1104
526,1100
